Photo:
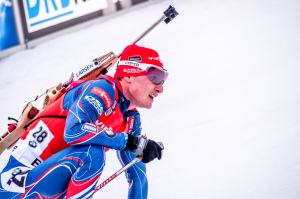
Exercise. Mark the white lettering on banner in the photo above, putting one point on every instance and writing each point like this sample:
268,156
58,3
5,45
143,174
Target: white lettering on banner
45,13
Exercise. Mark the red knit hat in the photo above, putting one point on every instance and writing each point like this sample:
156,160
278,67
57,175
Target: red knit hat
135,59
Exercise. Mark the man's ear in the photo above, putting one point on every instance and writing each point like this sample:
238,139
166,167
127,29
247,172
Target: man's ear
127,79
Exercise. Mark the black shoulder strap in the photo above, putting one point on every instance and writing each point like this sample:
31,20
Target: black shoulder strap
45,116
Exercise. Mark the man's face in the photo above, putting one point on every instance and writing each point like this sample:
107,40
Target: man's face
143,91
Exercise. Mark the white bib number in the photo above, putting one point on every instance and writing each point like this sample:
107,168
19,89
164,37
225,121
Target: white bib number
28,151
14,179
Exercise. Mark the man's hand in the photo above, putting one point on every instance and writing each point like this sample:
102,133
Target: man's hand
141,146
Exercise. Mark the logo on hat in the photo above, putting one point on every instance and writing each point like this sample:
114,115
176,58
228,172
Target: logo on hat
132,70
155,58
135,58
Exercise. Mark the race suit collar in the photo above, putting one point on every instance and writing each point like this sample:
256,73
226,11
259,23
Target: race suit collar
122,100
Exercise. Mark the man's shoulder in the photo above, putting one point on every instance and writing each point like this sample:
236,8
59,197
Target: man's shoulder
103,88
103,83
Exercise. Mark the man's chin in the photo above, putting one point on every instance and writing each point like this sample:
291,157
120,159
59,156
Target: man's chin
146,106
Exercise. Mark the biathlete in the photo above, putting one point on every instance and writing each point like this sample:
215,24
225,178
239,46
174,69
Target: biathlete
62,154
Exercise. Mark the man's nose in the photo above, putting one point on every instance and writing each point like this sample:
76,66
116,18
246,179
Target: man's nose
159,88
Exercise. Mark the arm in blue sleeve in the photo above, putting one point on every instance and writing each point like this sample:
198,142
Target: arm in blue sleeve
88,106
136,174
137,127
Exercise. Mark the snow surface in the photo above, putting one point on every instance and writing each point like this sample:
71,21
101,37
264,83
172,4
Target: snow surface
229,115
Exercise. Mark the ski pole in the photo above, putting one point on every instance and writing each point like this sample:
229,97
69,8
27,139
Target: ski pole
135,160
168,16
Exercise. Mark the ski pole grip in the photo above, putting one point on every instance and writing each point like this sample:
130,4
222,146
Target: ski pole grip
161,145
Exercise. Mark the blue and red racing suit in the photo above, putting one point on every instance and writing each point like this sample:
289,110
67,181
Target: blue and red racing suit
96,120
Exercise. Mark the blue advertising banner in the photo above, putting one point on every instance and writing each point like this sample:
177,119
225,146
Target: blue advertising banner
41,14
38,18
8,33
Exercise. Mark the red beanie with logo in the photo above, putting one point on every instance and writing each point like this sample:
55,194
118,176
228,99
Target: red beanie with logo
134,61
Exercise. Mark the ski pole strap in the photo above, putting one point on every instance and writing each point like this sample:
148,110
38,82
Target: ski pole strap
45,116
141,145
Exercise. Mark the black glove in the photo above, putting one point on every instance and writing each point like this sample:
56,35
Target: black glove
140,146
152,151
